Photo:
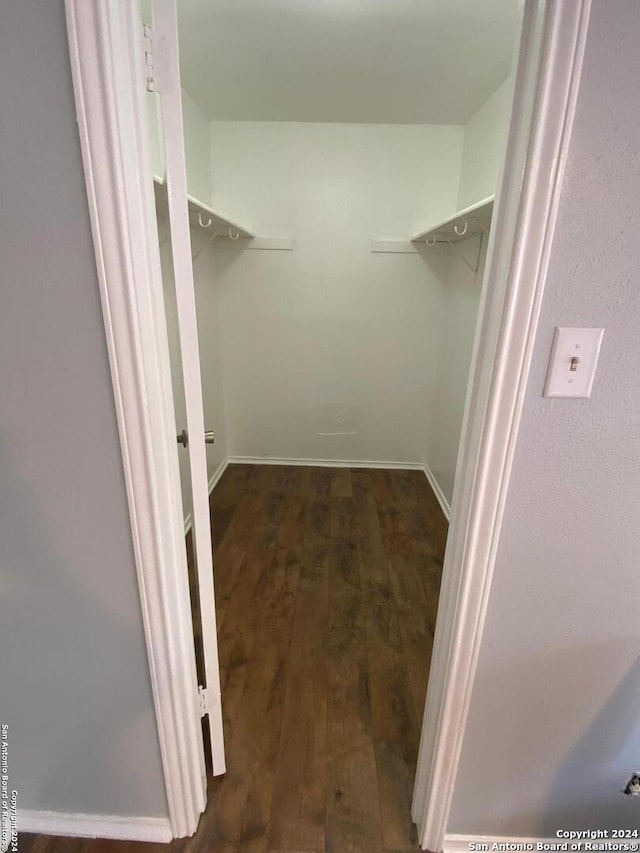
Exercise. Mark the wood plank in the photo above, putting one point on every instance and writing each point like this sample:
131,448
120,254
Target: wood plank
299,806
393,527
396,730
40,843
342,524
230,557
228,493
360,483
236,639
318,532
322,479
278,478
241,805
341,483
58,844
178,845
299,799
394,722
417,625
108,845
353,816
301,479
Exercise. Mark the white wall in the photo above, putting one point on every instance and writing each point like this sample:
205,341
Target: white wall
197,146
74,676
329,351
196,143
484,142
334,188
485,137
554,728
462,290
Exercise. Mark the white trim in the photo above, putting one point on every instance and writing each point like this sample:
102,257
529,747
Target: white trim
107,64
154,829
164,36
406,247
213,482
107,67
461,843
264,244
547,79
437,491
325,463
217,474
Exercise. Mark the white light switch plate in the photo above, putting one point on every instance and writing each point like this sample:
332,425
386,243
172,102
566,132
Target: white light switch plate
579,348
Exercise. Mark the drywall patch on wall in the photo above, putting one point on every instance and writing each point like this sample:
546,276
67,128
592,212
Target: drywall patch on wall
331,331
556,697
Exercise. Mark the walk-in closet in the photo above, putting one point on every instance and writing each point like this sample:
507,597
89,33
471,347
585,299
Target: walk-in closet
342,159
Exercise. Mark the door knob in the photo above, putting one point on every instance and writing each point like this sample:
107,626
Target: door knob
209,437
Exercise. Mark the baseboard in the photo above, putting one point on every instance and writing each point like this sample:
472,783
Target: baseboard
444,503
325,463
494,843
156,829
217,474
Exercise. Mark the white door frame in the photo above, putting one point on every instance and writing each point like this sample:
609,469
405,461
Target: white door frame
108,74
107,63
165,32
547,77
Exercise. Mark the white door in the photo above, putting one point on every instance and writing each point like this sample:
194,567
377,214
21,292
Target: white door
165,51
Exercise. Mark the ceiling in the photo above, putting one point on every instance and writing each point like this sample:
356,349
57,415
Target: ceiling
378,61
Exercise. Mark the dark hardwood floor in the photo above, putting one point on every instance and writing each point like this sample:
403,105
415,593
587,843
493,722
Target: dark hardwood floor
327,586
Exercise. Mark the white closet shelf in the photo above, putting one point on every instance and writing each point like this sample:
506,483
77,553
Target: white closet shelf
470,222
224,232
202,215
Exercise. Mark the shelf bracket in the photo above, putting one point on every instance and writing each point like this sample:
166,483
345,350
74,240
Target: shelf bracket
473,267
274,244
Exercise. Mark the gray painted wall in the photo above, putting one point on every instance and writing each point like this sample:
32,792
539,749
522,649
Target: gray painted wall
554,728
74,680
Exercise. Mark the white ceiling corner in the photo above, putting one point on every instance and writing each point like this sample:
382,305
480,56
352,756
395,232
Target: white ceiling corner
375,61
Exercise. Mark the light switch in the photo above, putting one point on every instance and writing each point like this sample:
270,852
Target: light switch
574,357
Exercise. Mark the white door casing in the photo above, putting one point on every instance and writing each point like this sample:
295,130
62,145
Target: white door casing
548,71
105,45
164,43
